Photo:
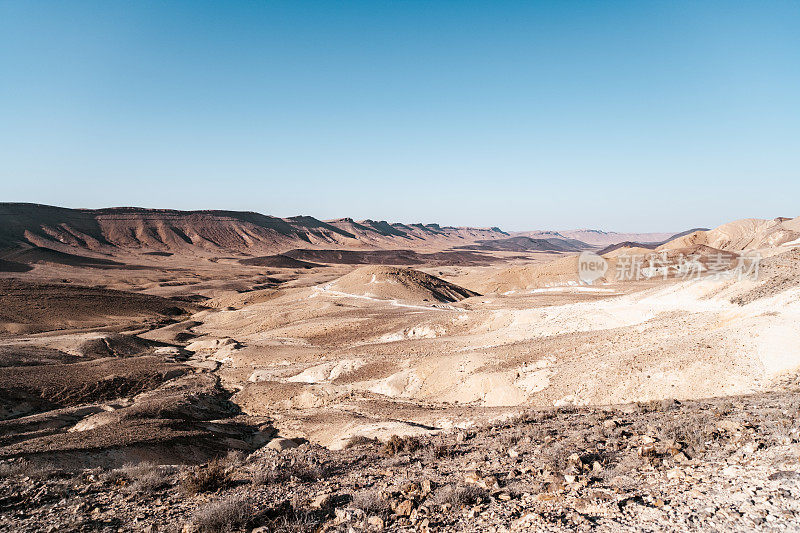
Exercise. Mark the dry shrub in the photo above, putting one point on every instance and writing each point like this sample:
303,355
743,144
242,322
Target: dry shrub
289,517
397,444
657,406
554,457
141,477
694,432
359,441
224,515
511,437
459,495
263,475
442,451
533,416
297,469
297,522
371,502
206,478
37,471
781,431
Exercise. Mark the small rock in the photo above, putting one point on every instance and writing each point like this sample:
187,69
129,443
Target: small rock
731,426
676,473
575,460
323,501
376,522
647,450
472,477
404,508
281,444
610,424
464,436
489,483
680,457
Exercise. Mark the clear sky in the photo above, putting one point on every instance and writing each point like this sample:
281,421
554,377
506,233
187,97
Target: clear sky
627,116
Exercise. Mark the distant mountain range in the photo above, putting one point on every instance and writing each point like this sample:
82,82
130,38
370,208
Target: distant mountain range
34,233
138,229
522,243
598,238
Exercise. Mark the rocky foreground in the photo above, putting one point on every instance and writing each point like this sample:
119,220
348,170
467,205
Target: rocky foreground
723,464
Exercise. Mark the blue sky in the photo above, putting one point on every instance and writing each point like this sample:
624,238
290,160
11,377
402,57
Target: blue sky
627,116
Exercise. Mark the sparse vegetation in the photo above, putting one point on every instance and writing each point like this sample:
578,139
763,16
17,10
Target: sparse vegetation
657,406
14,467
295,522
371,502
440,451
468,479
694,432
206,478
397,444
296,469
459,495
360,440
225,515
554,457
144,477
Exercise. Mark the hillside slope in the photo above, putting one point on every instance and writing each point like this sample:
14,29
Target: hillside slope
402,284
745,234
130,229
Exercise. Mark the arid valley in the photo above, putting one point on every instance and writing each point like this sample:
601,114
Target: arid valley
219,370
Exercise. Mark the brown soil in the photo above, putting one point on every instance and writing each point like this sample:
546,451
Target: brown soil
389,257
63,385
44,306
278,261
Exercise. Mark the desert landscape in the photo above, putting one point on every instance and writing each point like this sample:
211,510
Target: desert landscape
218,370
411,267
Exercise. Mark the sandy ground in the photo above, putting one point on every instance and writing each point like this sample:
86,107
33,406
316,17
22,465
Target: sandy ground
362,358
337,351
183,357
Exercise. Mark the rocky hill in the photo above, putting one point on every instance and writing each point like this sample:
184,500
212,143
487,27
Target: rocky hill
131,229
400,284
745,234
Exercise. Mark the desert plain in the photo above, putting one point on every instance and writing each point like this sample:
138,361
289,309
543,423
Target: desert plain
220,371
